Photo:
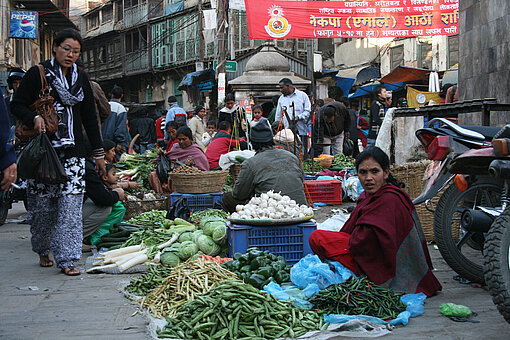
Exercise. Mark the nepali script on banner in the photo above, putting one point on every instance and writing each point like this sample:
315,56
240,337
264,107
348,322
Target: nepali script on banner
351,19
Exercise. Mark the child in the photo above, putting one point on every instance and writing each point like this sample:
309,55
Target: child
210,133
257,114
110,179
171,131
109,151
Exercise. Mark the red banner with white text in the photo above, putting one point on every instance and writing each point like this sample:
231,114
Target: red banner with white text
269,19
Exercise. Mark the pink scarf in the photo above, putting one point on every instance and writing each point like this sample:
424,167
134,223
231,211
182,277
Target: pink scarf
194,151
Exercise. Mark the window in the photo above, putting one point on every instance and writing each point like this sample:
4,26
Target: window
396,56
92,21
119,11
107,14
136,40
130,3
425,55
453,50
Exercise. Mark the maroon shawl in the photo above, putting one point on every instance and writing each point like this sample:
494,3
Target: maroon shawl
194,151
388,244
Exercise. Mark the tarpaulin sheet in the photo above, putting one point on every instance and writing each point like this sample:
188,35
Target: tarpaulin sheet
268,19
369,89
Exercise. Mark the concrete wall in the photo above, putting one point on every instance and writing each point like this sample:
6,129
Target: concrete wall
484,55
355,52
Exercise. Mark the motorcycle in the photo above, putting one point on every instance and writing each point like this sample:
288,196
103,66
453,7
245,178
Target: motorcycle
461,156
496,250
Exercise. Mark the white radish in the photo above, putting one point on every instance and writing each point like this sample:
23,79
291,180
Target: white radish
93,269
174,238
142,258
122,251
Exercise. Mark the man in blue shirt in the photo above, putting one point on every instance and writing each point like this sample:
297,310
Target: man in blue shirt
174,114
298,109
115,126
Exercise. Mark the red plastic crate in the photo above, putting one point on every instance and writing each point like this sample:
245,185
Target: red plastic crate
329,192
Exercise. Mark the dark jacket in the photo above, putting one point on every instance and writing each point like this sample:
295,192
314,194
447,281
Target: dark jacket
271,169
341,123
377,111
7,155
83,112
115,126
95,189
144,126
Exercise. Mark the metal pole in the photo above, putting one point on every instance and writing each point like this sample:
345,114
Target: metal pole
200,30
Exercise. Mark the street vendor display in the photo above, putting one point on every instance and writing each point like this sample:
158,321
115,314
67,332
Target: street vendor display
270,169
381,239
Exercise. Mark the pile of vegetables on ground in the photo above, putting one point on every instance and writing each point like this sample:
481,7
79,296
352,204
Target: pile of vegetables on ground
154,238
271,205
340,161
235,310
258,268
358,296
137,168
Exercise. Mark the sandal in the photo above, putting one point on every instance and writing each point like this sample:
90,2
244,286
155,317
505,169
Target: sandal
70,271
45,261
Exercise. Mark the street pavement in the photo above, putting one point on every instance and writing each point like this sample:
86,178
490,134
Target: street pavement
42,303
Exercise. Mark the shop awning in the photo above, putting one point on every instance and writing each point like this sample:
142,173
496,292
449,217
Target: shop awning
49,13
197,78
361,74
369,89
451,76
405,74
345,84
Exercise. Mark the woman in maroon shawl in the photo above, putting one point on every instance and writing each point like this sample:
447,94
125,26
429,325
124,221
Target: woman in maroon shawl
185,149
382,238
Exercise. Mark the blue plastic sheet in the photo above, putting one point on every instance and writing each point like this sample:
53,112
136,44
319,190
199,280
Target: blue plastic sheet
311,270
414,308
324,178
293,293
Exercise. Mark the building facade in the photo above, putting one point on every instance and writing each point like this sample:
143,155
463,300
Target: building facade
148,46
22,52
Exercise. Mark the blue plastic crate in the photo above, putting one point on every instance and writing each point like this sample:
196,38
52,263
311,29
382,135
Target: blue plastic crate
289,241
198,202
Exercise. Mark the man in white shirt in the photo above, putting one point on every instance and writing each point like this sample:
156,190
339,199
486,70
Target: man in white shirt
115,126
298,109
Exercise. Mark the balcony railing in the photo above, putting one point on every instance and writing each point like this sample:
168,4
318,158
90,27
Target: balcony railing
137,61
136,15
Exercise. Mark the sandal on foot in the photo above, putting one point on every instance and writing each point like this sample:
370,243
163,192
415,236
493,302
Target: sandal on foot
70,271
45,261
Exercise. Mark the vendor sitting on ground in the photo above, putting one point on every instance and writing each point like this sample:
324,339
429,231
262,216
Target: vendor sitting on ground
382,238
100,201
221,144
171,130
270,169
186,150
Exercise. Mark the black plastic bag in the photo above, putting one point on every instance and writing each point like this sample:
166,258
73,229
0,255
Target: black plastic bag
50,170
30,157
180,209
163,168
348,147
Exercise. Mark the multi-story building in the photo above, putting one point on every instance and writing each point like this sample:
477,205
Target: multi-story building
53,15
148,47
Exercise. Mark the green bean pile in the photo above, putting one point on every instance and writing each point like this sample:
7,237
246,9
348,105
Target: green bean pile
142,285
358,296
235,310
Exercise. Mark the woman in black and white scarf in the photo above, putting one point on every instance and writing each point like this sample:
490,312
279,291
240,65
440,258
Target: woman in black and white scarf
54,211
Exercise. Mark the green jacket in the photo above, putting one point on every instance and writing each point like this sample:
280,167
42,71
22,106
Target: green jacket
271,169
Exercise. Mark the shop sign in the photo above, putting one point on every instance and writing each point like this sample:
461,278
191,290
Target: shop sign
23,24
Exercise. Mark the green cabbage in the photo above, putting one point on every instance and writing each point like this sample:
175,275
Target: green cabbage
210,226
188,249
196,235
219,234
207,219
207,246
186,236
170,259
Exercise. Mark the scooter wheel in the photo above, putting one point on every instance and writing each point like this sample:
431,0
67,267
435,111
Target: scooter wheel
497,263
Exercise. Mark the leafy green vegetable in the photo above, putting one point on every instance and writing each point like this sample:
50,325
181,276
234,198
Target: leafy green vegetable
207,246
219,234
188,249
198,215
149,218
170,259
196,235
186,236
211,225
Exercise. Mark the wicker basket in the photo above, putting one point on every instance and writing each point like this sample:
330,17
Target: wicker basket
135,208
200,183
234,171
412,175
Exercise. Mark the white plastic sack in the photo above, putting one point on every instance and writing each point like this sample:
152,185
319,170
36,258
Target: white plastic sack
383,140
352,187
334,223
228,159
405,138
